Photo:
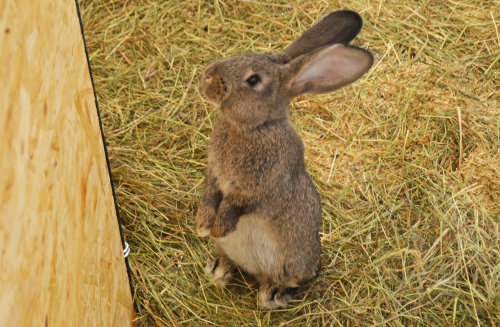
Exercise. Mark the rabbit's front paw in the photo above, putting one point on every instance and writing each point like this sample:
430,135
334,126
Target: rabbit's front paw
220,270
225,222
204,221
218,231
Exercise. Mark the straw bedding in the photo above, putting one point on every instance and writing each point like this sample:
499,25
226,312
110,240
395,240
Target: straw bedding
406,160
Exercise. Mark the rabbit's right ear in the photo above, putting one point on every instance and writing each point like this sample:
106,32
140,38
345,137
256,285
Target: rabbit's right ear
325,70
337,27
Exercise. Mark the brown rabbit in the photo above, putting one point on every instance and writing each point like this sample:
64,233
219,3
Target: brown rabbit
259,205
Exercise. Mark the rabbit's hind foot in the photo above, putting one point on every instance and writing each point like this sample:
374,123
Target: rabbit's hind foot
272,296
220,270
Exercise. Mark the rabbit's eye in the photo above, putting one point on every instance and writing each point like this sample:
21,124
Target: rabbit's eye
253,80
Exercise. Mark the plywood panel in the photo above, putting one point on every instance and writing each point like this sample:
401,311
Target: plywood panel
61,261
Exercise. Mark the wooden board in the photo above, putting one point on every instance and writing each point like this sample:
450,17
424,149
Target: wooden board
61,261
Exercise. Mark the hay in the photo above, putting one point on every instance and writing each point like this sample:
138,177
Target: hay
406,160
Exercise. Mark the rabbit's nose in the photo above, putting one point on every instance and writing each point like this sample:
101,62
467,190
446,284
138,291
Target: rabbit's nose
208,79
208,75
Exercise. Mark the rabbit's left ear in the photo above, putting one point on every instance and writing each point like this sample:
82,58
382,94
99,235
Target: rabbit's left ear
326,70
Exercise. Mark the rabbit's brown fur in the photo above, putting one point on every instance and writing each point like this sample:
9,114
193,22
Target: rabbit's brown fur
259,205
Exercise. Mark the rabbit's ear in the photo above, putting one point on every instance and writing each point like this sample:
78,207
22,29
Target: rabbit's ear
337,27
326,70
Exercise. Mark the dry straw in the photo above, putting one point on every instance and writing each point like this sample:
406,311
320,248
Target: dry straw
407,160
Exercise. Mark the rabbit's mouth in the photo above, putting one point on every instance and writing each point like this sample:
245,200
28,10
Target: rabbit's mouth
214,87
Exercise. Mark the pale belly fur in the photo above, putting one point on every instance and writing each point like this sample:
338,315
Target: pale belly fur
250,245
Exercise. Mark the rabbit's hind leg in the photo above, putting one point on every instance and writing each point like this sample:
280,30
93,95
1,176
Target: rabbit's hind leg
221,270
273,296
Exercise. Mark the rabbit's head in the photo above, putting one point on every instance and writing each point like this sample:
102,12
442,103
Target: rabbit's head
252,89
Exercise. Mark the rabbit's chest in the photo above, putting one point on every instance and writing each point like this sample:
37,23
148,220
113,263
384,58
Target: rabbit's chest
238,166
251,246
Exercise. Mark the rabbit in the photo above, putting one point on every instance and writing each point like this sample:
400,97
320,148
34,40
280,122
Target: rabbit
259,205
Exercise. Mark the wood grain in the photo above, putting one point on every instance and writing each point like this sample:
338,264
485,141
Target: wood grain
61,259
